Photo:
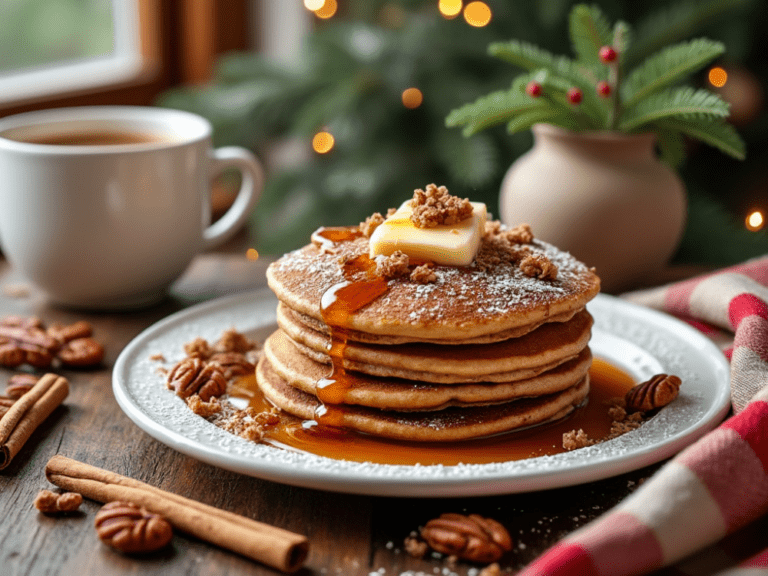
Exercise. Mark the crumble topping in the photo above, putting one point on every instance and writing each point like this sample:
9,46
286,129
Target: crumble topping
424,274
393,266
520,234
202,408
371,223
501,244
622,423
538,266
437,206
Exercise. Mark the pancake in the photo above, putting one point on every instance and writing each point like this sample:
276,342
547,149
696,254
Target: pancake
300,319
547,346
464,303
450,424
303,373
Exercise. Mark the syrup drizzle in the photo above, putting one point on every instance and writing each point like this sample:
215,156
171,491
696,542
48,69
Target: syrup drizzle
361,286
606,382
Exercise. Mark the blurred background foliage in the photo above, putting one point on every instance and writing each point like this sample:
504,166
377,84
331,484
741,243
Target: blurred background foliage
356,65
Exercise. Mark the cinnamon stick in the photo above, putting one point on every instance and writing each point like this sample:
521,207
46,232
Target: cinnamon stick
267,544
28,412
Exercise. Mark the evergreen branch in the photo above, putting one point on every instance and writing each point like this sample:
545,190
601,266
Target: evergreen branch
589,31
714,132
677,102
528,119
622,38
676,23
533,58
671,146
669,66
495,108
528,56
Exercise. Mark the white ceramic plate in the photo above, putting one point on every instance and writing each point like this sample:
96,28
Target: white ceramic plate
640,341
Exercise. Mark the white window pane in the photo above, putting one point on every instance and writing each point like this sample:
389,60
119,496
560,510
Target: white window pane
55,46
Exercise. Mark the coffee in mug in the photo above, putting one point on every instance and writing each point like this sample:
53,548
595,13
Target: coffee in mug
104,207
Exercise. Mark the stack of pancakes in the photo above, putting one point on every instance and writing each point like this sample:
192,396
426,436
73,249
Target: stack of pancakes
477,352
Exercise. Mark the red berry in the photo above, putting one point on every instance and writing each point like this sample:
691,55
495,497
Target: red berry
533,89
607,54
604,89
574,95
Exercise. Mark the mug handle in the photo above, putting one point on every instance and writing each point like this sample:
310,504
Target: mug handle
250,192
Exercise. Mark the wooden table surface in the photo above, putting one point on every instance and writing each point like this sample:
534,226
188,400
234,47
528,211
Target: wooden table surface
348,534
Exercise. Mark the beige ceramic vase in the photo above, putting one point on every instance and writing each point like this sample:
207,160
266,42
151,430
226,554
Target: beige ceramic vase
603,196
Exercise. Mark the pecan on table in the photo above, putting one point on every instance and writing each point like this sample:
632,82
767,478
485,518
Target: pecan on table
654,393
51,503
194,376
81,352
25,344
20,384
66,333
130,529
472,537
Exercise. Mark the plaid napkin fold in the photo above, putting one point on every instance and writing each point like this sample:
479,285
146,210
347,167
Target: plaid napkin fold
717,485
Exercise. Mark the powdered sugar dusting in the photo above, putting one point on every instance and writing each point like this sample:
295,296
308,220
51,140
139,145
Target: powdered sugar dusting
461,297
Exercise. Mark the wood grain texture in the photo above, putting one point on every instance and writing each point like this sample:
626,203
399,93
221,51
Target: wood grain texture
349,535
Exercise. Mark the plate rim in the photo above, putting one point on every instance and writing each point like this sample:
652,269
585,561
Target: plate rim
491,480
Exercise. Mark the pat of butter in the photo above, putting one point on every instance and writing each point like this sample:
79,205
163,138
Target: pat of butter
447,244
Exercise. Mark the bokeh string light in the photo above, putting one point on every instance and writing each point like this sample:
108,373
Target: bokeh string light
450,8
717,77
313,4
327,10
323,142
477,14
412,98
755,221
252,254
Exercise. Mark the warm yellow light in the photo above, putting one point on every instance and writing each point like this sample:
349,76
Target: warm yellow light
477,14
450,8
323,142
327,10
717,77
252,254
755,221
313,4
412,98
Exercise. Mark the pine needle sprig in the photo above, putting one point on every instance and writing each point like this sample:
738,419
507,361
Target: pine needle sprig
589,30
669,66
673,102
716,132
601,90
496,108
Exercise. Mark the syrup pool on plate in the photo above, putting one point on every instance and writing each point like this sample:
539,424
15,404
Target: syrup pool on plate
606,382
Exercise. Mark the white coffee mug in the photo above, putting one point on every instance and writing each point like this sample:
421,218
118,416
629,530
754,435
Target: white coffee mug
104,207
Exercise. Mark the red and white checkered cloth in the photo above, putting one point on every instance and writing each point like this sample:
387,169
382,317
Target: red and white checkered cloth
714,487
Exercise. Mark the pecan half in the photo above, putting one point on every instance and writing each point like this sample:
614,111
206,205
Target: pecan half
25,344
472,537
65,333
232,364
20,384
194,376
130,529
81,352
654,393
51,503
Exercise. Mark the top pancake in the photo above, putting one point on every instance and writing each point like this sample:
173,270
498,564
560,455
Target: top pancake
464,302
